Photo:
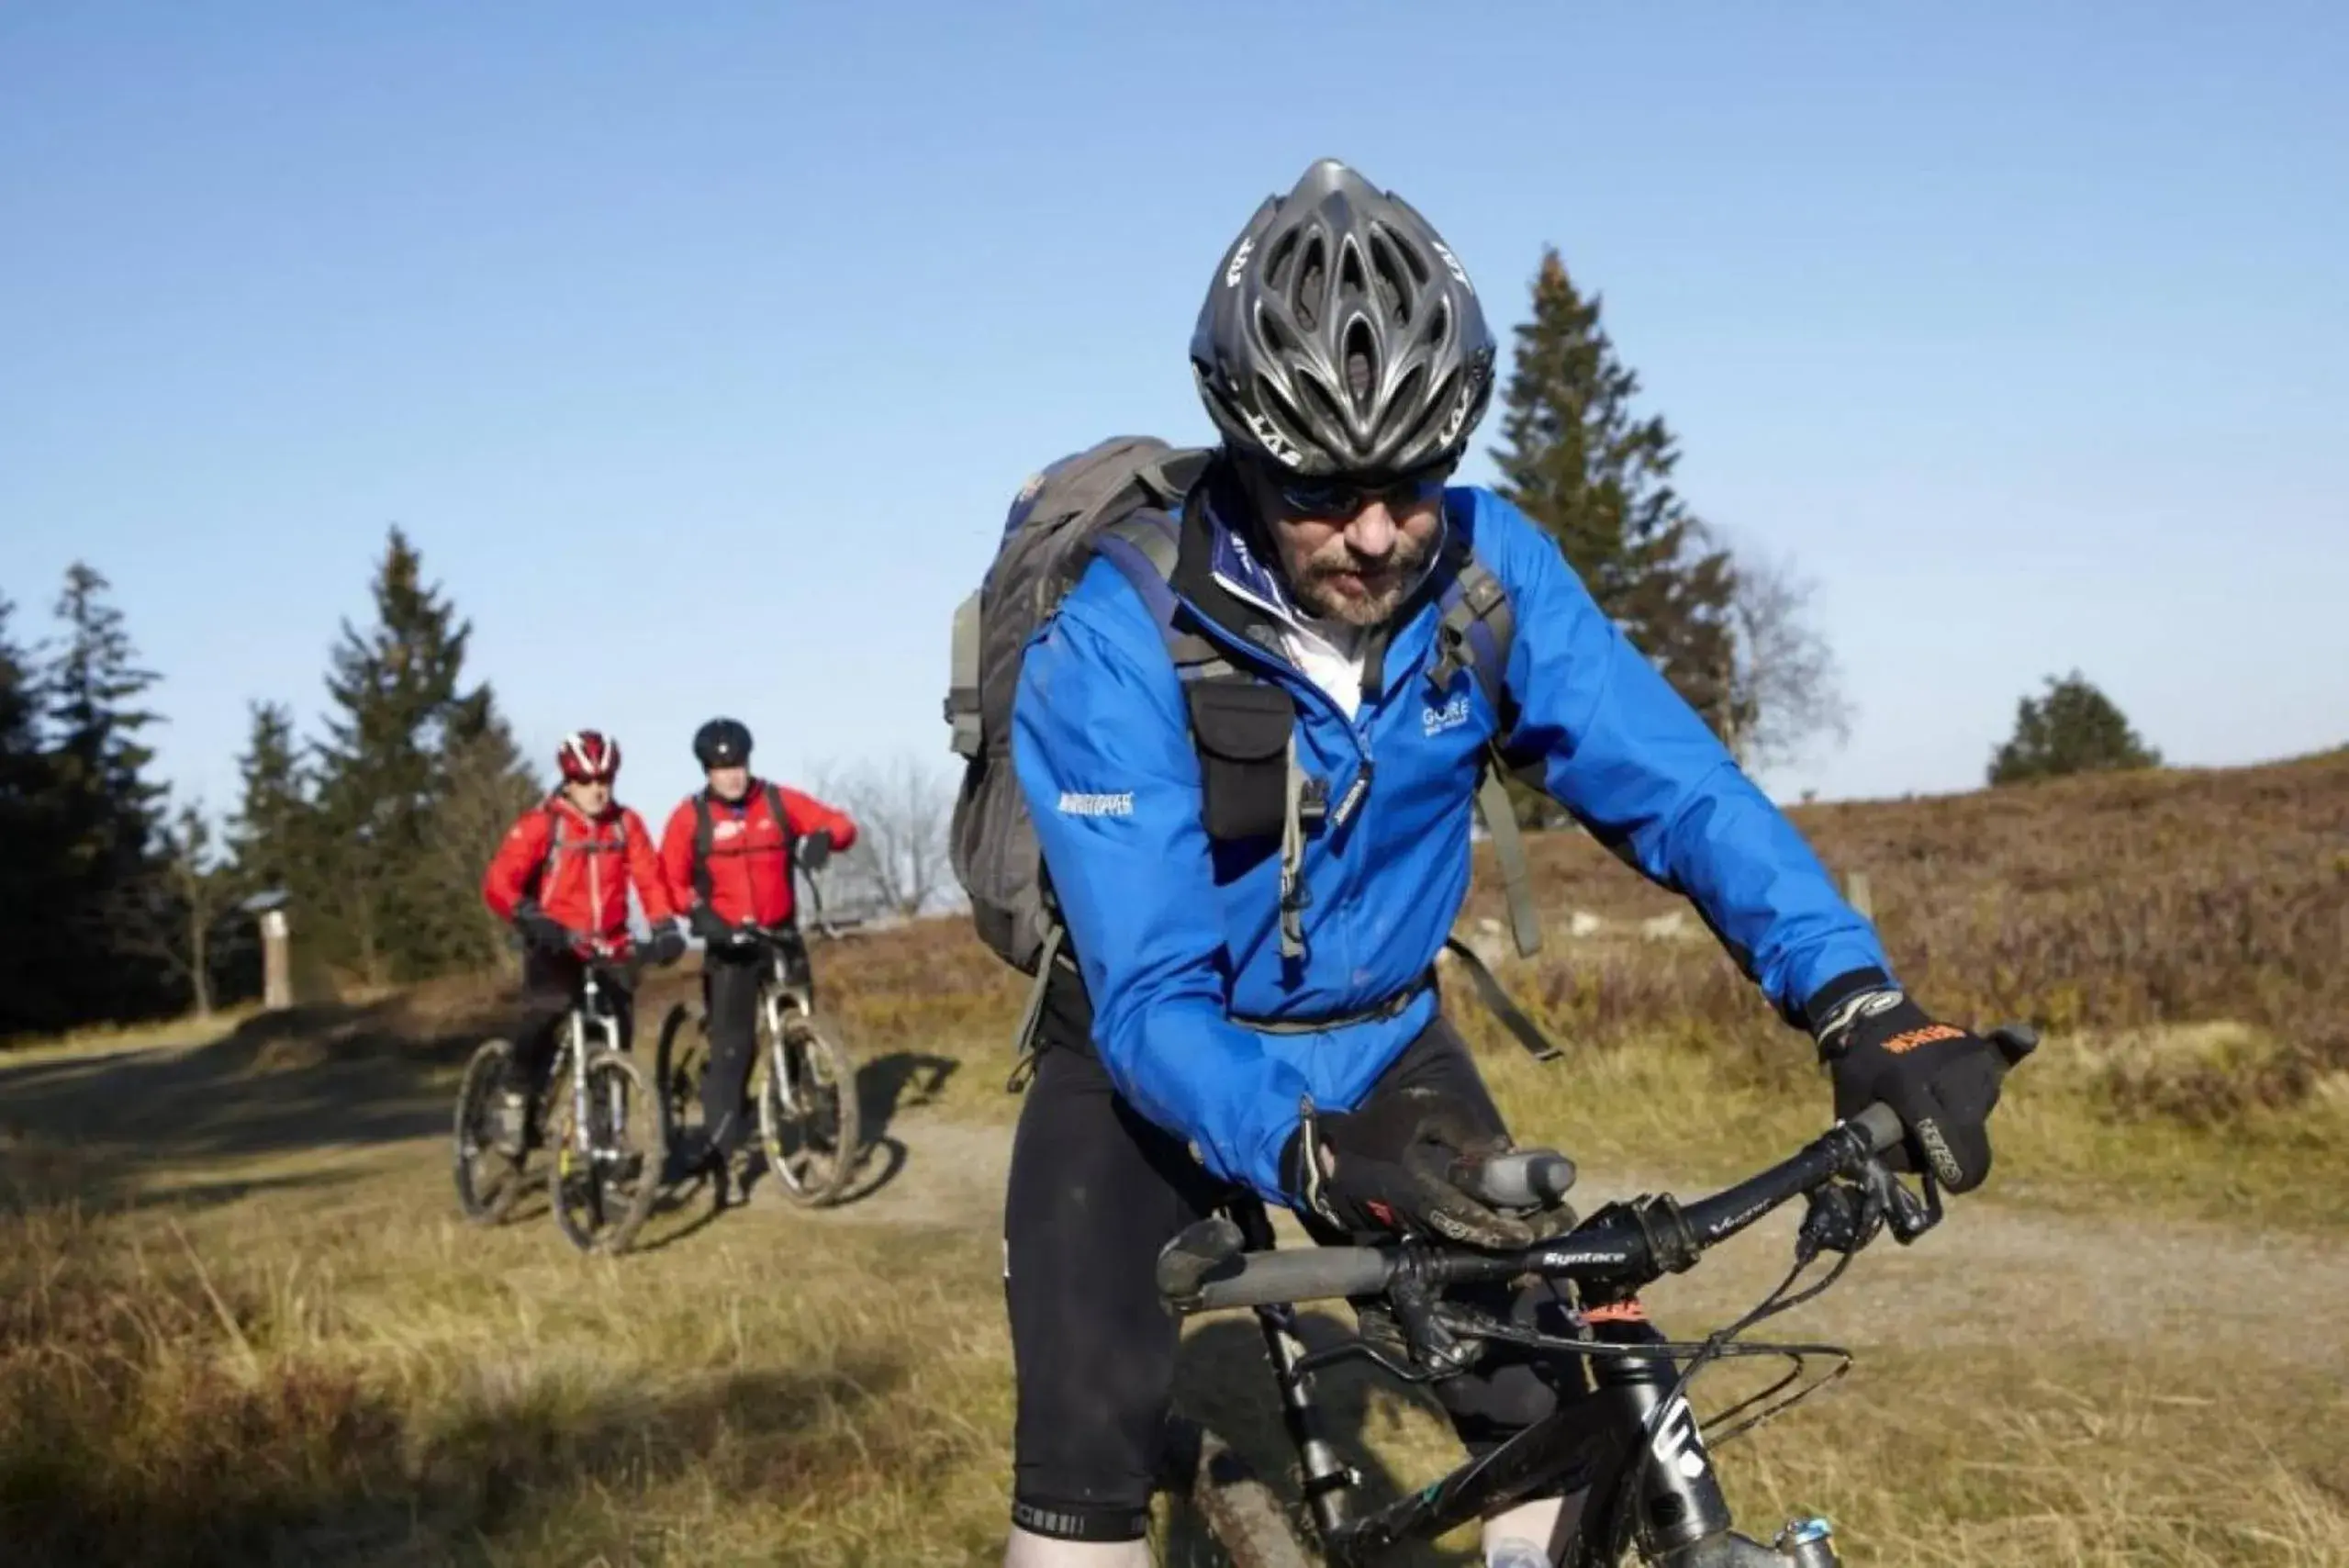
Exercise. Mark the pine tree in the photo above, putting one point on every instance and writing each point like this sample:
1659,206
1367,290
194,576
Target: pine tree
397,700
1598,479
34,881
2073,728
273,805
111,804
106,809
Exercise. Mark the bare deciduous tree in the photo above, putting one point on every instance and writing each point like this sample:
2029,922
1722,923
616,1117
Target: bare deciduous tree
902,808
1788,689
170,918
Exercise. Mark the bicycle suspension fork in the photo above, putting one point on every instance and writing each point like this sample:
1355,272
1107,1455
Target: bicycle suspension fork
580,1125
1329,1482
1678,1503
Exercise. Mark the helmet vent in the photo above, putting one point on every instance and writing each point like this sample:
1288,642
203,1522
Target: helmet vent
1361,363
1313,272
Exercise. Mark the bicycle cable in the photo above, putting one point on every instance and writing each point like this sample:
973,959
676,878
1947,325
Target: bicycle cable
1622,1514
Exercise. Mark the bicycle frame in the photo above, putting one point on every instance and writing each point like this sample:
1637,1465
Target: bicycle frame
1631,1441
1585,1442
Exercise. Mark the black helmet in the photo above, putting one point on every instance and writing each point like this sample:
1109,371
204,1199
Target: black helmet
722,743
1340,337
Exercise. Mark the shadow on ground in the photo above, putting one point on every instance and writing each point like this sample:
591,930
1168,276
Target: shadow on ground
886,1087
327,1075
346,1477
900,1081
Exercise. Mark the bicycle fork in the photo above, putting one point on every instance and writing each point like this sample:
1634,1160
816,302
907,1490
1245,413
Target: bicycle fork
582,1135
782,1067
1681,1520
1328,1480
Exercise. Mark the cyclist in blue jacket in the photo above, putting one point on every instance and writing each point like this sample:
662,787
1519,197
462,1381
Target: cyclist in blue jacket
1250,1004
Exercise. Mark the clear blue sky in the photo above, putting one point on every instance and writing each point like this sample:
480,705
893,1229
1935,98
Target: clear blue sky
701,347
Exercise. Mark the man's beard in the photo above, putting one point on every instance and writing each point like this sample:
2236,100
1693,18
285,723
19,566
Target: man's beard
1383,585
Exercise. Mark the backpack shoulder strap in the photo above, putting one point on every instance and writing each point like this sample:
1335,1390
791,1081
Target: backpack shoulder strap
1143,548
554,845
702,833
1476,627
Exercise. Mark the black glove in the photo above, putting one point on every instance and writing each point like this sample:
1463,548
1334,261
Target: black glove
1942,1081
1386,1168
666,946
542,931
816,850
709,926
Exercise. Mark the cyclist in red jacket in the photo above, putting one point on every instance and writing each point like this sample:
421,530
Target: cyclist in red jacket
562,879
729,854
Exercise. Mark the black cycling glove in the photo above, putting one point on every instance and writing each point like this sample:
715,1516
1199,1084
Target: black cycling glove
1942,1081
1386,1168
709,926
542,931
666,946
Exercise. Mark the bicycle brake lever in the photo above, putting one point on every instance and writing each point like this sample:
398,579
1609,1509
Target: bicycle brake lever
1330,1355
1909,1215
1841,1219
1433,1345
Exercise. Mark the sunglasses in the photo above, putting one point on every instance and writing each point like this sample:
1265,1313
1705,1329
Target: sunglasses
1347,497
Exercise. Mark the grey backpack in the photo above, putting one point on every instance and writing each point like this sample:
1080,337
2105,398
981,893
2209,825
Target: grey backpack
1047,543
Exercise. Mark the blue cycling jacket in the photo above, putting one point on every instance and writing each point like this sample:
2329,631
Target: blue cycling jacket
1172,945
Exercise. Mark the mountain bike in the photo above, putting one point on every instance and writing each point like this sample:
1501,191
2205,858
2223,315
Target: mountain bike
1633,1441
803,1080
605,1138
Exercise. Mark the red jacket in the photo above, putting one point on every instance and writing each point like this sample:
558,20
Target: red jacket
748,879
580,877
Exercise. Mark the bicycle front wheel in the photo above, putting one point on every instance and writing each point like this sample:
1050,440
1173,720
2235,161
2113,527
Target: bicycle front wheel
1221,1510
607,1168
807,1116
678,1066
487,1157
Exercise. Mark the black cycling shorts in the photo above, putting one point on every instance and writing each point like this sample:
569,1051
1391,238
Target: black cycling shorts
1095,1192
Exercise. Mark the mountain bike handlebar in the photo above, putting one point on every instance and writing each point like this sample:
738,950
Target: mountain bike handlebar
1206,1269
1538,1178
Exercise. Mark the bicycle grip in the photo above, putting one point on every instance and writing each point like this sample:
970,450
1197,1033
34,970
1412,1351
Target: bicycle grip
1522,1179
1205,1268
1883,1126
1308,1273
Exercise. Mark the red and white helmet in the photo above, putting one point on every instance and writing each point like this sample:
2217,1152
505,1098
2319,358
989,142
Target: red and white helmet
588,756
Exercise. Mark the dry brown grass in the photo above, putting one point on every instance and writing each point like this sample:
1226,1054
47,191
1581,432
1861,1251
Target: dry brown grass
340,1372
2140,899
240,1323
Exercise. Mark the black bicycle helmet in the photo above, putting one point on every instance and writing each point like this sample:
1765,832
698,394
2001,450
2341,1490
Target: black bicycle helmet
1341,336
722,743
